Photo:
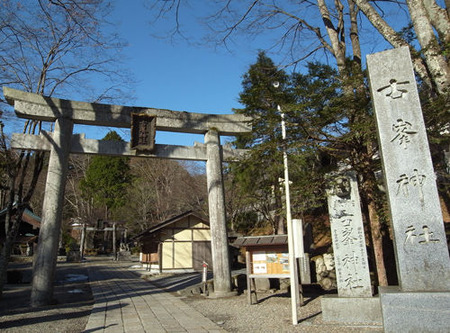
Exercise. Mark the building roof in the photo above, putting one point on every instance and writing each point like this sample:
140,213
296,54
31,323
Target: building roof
261,240
28,216
167,223
31,218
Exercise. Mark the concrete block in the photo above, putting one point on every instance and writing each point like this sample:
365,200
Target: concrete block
358,310
415,311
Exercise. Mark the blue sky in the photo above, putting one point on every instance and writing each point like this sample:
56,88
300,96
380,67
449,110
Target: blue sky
177,76
180,76
169,75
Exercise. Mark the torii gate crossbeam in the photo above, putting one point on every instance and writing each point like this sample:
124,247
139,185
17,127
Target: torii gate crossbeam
61,143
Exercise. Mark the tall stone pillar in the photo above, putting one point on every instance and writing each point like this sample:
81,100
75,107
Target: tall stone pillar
45,259
217,216
421,301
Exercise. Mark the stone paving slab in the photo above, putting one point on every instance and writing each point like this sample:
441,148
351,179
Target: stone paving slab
126,303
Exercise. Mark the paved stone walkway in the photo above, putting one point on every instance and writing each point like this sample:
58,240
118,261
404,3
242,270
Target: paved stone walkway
126,303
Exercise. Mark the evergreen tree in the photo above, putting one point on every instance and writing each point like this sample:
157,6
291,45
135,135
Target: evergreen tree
106,179
260,175
329,122
338,121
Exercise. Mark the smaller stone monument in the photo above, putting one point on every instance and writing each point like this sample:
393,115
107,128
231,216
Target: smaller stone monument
354,302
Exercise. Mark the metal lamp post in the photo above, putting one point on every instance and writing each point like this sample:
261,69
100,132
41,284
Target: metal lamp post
293,275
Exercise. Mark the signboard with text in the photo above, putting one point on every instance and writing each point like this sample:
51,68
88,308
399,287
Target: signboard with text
143,130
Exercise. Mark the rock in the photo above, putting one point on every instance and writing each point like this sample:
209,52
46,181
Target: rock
328,260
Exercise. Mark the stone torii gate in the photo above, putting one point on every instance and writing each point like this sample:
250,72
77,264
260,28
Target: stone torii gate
61,142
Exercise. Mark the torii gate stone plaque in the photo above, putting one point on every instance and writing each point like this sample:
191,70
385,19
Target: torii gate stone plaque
61,143
421,302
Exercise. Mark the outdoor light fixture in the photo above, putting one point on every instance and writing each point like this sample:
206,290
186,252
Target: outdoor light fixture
293,275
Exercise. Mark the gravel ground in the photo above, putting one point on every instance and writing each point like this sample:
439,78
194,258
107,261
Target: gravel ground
73,304
271,314
69,314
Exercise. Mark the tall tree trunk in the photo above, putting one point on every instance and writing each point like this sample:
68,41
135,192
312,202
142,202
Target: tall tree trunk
13,222
335,33
354,91
435,60
439,18
391,36
354,32
369,185
377,241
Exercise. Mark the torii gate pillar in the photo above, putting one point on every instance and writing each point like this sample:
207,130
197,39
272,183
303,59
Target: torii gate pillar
217,216
61,142
46,254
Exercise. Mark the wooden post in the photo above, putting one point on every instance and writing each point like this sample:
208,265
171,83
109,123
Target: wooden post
217,217
82,240
248,270
105,238
251,287
45,261
114,247
160,256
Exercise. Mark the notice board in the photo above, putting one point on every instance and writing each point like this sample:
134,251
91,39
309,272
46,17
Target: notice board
270,261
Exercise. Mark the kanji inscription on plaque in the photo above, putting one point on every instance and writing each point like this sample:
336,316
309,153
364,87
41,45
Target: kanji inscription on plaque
143,129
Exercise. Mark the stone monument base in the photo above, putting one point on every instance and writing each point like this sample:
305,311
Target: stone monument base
405,311
358,310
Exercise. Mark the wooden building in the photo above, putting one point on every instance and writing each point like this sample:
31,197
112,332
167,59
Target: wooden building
182,242
27,236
